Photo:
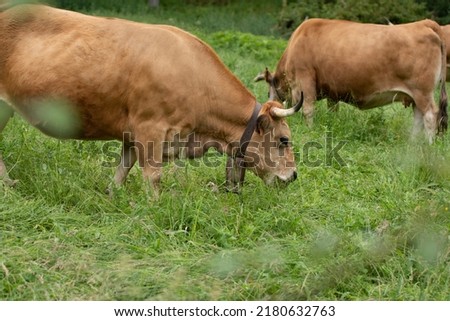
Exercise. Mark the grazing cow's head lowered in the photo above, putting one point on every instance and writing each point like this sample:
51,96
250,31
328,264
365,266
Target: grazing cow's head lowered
265,147
278,86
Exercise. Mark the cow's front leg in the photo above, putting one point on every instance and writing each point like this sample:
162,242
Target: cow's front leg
235,174
309,93
152,178
308,113
5,114
128,158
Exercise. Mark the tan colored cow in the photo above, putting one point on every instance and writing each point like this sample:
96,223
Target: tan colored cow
365,64
153,87
446,36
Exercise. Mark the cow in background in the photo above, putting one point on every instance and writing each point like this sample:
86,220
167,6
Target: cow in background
446,36
366,65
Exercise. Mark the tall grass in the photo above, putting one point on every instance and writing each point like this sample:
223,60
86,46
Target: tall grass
373,228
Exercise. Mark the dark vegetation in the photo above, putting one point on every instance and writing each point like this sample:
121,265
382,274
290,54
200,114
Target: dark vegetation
288,14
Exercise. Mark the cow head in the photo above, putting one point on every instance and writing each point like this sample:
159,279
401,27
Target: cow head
278,88
269,152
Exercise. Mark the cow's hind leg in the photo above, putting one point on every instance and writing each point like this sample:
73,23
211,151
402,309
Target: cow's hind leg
149,147
418,123
425,116
5,114
152,170
430,124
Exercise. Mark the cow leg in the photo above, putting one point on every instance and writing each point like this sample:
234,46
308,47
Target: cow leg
418,123
309,93
150,154
430,122
235,174
127,160
308,112
426,108
5,114
152,176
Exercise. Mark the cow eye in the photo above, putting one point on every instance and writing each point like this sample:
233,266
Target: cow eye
284,141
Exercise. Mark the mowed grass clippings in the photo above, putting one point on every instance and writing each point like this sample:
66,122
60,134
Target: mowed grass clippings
372,225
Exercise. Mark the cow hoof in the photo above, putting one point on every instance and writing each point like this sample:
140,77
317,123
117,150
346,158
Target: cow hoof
109,191
233,189
213,187
9,182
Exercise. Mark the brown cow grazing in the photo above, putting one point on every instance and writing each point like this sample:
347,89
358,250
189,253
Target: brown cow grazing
365,64
446,36
153,87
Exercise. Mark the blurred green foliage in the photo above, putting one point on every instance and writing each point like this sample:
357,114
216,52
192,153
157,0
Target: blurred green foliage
440,9
247,44
116,5
373,11
289,14
135,5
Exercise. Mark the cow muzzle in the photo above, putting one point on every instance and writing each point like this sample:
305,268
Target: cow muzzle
281,180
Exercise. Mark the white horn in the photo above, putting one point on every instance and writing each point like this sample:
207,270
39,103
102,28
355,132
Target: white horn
281,112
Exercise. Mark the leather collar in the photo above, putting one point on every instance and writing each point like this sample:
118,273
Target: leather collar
248,132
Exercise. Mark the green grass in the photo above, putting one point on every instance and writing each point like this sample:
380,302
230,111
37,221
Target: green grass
376,228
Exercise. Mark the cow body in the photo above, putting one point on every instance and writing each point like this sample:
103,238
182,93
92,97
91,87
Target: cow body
146,85
446,36
366,65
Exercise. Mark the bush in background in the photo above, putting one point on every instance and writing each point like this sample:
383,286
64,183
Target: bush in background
375,11
115,5
440,10
134,5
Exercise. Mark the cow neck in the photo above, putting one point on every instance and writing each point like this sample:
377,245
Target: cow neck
248,132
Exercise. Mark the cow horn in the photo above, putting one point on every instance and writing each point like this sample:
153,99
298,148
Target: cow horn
259,77
281,112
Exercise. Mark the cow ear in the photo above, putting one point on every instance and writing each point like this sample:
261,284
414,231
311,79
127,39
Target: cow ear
268,76
265,75
263,124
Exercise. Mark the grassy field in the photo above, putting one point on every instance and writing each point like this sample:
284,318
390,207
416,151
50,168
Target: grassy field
373,227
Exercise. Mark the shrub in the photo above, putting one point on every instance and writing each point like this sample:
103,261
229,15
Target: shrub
115,5
376,11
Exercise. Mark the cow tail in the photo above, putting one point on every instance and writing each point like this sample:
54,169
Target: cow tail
443,100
